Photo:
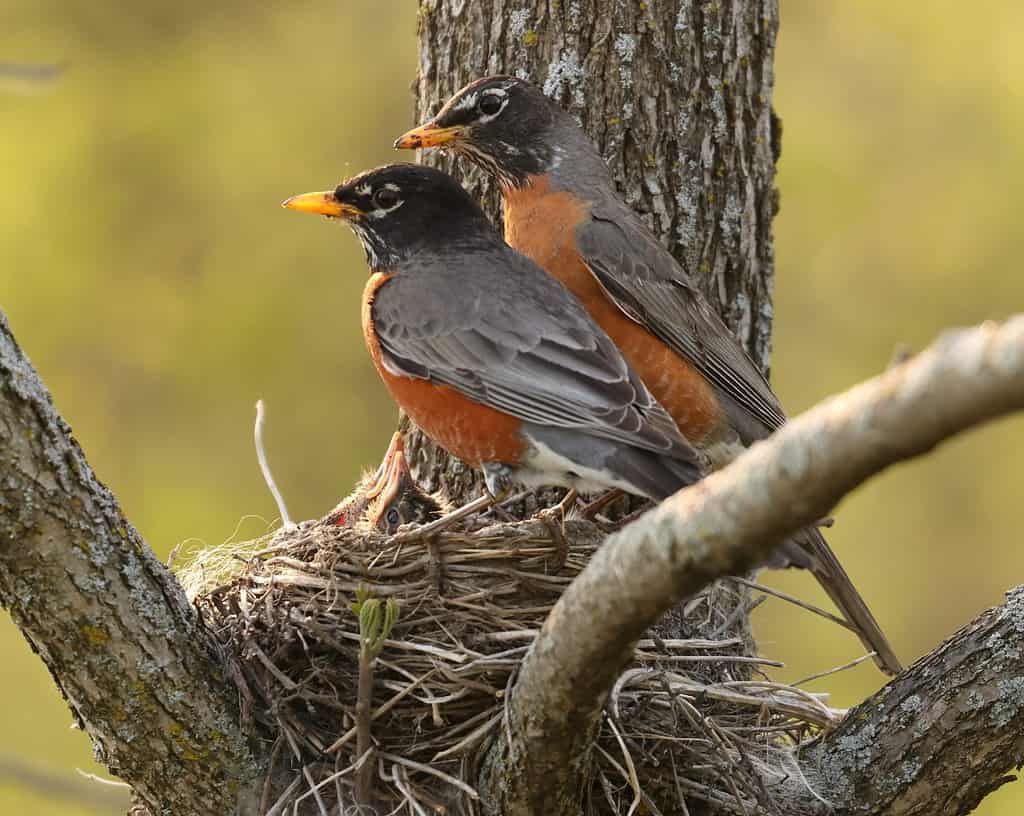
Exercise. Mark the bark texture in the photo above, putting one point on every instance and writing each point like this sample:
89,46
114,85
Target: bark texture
728,523
940,737
676,94
122,643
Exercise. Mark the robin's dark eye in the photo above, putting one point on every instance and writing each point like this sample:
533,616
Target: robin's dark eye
489,104
393,517
386,198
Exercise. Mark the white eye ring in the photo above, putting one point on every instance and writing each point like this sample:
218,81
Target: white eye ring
486,104
386,198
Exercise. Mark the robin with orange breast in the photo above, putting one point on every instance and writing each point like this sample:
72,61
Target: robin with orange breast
562,210
491,357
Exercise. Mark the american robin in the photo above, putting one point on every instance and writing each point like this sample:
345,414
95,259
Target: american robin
491,357
388,498
562,210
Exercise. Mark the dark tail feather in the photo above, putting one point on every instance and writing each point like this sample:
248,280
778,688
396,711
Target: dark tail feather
809,550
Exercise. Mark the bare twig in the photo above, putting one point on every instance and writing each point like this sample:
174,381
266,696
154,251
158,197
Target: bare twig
384,709
30,78
364,739
268,477
427,769
314,790
107,796
776,593
829,672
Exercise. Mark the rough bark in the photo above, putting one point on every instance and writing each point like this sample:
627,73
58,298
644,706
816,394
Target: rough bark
940,737
724,525
676,94
122,643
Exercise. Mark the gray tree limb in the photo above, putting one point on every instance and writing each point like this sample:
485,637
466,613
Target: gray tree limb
122,643
725,525
940,737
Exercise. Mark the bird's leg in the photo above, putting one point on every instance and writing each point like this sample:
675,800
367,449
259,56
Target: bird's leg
567,503
498,478
554,519
597,505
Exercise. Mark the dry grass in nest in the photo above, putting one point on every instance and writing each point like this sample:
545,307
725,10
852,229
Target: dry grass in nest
688,719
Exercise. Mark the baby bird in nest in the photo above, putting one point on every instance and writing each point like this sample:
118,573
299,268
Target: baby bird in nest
389,498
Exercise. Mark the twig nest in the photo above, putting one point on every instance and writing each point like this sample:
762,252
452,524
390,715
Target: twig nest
438,628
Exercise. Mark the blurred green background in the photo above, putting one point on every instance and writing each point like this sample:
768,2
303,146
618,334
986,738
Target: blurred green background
150,275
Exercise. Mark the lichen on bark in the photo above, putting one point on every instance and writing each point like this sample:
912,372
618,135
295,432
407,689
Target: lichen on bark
121,641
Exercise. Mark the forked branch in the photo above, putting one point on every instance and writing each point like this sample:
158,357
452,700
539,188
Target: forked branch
725,525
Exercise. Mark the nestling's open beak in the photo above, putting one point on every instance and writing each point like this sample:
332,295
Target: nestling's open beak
394,459
398,478
322,204
392,480
429,135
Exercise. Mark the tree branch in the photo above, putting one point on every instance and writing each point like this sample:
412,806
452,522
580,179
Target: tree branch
941,736
98,795
725,525
112,625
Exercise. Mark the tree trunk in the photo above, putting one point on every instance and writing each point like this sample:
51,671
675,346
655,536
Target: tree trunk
124,646
676,94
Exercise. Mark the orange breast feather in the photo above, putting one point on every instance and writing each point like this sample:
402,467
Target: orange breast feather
473,432
541,224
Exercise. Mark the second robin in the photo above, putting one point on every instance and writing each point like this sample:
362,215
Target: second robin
562,210
490,356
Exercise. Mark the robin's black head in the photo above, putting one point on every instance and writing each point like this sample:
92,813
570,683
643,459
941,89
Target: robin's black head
401,209
501,123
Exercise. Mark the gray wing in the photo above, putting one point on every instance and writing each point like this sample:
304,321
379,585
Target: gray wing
647,284
506,335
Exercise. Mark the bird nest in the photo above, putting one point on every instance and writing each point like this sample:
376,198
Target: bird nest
387,662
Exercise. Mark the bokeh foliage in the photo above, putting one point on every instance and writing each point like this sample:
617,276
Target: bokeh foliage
150,275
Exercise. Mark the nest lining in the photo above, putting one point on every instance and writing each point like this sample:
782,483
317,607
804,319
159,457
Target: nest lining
689,724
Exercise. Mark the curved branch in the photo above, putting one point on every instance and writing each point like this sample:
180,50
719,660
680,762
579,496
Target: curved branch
97,795
725,525
112,625
941,736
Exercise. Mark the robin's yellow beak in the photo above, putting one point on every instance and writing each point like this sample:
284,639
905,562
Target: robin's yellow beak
322,204
429,135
